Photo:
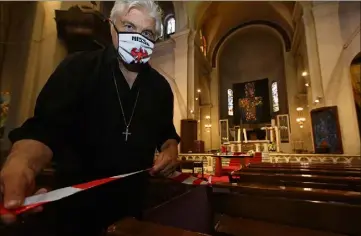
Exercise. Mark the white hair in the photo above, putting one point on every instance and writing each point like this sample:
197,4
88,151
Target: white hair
124,6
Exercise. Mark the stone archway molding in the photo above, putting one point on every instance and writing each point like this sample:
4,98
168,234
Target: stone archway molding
286,38
178,96
349,51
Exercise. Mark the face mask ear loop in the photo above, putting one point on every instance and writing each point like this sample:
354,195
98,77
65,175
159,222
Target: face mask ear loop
119,58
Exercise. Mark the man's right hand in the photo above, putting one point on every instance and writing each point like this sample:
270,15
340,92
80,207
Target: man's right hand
17,181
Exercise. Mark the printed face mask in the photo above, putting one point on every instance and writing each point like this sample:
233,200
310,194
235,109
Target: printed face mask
134,48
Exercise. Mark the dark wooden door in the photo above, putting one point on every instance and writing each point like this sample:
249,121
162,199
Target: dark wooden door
188,135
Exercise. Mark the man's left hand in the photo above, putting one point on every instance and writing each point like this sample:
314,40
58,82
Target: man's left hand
167,161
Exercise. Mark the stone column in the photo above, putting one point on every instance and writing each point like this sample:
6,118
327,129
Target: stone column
192,81
335,68
330,43
181,65
312,54
292,93
215,109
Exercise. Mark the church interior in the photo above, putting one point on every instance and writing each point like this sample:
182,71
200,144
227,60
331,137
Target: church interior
267,102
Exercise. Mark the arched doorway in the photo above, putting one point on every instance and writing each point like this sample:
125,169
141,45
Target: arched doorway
355,70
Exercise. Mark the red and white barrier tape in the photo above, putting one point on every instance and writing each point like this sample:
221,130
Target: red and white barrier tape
41,199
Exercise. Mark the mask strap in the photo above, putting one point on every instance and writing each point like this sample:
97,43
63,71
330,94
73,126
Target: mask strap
115,28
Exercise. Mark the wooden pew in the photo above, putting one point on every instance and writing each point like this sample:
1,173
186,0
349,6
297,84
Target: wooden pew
237,226
133,227
298,180
345,173
191,210
318,215
311,166
349,197
282,185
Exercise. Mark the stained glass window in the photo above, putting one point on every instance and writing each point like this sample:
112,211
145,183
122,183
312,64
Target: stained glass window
230,102
171,25
275,100
161,31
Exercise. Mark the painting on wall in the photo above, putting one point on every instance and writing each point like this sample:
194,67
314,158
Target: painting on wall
283,122
326,130
223,131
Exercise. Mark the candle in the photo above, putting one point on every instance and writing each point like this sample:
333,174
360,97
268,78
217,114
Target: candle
277,139
273,122
267,134
239,135
271,133
245,135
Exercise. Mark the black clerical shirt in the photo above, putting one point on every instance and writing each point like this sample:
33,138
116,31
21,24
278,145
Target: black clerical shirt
79,117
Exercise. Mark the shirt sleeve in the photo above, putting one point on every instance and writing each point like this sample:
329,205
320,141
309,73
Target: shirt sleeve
167,130
55,109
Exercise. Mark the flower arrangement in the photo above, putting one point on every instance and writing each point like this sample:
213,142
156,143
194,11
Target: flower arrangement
4,109
251,153
272,147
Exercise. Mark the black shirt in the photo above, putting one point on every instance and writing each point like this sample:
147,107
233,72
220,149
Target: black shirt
79,117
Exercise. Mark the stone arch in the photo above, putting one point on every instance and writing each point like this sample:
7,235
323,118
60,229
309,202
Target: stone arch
349,21
283,33
355,73
278,74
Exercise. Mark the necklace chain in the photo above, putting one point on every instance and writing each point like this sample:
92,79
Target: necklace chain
121,105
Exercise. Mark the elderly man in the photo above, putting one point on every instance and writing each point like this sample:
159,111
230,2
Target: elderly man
100,114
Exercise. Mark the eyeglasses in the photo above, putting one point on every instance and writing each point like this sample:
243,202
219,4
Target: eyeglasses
130,27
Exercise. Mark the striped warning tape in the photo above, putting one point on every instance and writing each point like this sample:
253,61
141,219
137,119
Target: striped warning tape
41,199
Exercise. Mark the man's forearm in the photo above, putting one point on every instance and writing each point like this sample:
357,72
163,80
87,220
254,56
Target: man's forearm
169,143
34,154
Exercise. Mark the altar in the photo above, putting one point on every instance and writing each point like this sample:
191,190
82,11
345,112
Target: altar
242,142
246,146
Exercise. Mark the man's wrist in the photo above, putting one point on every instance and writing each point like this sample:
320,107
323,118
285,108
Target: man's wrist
170,143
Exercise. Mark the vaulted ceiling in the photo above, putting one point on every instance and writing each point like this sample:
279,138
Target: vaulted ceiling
218,19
